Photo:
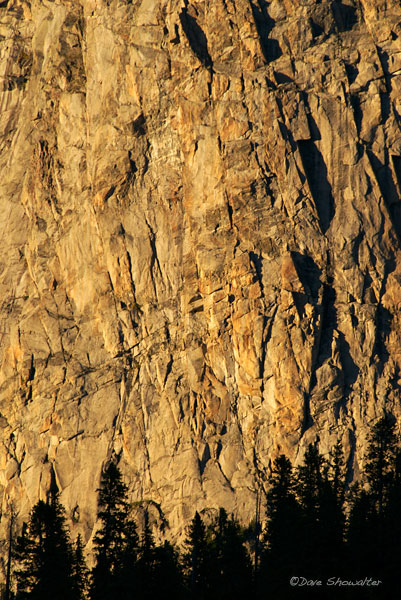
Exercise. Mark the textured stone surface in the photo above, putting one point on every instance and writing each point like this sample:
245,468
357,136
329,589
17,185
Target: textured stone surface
199,243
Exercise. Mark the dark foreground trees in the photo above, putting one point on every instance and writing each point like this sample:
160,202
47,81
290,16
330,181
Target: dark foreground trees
216,562
129,566
80,572
45,555
158,570
197,559
305,521
231,573
116,542
315,529
374,521
281,556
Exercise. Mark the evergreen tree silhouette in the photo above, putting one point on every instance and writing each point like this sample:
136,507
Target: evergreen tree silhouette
116,542
284,535
320,490
8,594
80,572
168,573
147,563
392,529
196,560
309,485
361,533
230,574
374,523
304,537
331,512
337,473
381,456
44,555
159,573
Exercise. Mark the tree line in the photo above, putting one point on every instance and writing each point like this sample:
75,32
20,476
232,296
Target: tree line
317,528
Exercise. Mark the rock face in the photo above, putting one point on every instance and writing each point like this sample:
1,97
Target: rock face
200,260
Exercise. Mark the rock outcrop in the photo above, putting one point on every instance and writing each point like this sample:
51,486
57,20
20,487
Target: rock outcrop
200,260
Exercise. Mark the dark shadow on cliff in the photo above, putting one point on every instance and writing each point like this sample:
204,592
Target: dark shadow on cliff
356,109
313,127
257,261
344,15
388,189
324,342
196,37
350,368
316,29
308,272
264,25
322,350
352,72
396,160
383,328
316,174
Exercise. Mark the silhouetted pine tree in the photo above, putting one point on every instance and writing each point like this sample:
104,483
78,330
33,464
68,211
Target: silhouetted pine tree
380,465
196,560
331,511
8,594
80,572
337,473
116,542
44,555
283,540
159,573
361,533
320,489
309,485
230,574
146,565
253,539
392,529
374,522
168,575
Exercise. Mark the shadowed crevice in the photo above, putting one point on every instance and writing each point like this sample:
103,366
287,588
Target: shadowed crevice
308,272
196,37
323,344
388,189
357,110
350,368
204,459
316,174
383,329
317,30
344,15
264,24
352,72
396,160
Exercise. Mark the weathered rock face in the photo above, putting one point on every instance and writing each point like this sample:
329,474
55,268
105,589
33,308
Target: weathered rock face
200,263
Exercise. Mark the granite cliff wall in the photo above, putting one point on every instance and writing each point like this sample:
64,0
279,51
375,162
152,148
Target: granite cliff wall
199,243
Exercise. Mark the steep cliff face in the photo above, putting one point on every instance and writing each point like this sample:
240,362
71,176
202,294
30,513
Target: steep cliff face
200,262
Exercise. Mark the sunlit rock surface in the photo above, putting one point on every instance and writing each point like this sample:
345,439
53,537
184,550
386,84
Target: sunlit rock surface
199,244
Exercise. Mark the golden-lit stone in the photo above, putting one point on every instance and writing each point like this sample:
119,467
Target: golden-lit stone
199,243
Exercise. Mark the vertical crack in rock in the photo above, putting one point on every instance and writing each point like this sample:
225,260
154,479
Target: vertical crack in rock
345,16
316,174
196,37
265,25
388,189
396,160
